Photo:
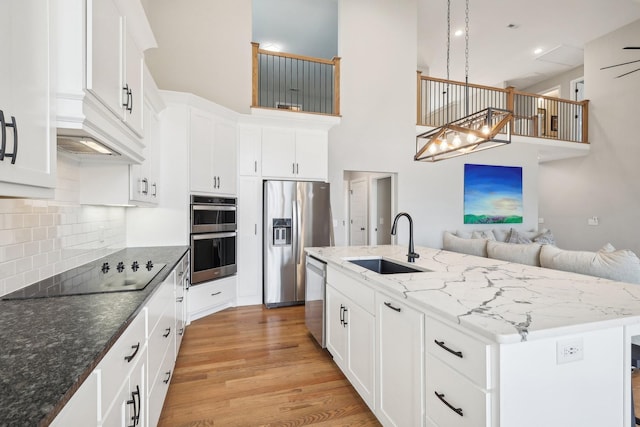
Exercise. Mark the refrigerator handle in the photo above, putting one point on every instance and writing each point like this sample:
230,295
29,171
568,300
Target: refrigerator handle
296,230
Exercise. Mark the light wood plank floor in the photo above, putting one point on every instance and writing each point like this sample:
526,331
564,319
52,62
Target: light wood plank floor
249,366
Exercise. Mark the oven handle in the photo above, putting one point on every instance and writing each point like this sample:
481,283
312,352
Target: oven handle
213,235
213,208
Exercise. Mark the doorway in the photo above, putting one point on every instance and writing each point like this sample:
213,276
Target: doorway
370,205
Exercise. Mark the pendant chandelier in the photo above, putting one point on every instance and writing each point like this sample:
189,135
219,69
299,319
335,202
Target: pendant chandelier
484,129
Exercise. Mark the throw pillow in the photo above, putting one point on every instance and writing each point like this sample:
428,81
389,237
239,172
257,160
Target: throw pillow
501,234
528,253
516,237
545,238
484,234
463,234
620,265
477,247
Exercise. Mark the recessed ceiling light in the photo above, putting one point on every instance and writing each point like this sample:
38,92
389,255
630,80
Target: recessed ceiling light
458,33
537,50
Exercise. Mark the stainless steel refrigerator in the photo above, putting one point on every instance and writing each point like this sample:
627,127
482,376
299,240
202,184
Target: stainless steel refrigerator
297,214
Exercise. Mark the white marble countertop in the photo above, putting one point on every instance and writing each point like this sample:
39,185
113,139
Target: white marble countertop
503,301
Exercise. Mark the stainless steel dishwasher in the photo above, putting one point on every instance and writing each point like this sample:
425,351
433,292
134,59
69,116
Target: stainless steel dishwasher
316,275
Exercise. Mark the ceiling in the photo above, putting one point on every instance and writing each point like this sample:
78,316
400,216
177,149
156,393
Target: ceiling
498,55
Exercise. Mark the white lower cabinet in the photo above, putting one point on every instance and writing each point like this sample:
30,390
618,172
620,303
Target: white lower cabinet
210,297
82,409
350,331
400,362
129,385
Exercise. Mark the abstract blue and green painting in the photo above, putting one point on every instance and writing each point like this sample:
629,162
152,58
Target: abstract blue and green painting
492,194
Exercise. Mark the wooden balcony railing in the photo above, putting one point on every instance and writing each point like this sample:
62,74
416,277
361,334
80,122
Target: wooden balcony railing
441,101
294,82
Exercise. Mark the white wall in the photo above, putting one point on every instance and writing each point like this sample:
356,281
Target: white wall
606,183
40,238
204,48
377,43
562,80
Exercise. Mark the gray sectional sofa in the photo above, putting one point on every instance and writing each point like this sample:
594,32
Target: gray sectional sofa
538,248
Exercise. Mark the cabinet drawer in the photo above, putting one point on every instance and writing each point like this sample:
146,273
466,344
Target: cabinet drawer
161,301
469,356
121,358
208,295
456,394
358,292
160,339
158,388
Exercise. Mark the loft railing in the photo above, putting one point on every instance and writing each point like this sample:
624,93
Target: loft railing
442,101
291,82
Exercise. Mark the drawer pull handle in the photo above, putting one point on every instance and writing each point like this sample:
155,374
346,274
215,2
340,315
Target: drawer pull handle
216,293
180,331
388,304
179,299
168,332
449,405
443,346
130,358
136,408
166,380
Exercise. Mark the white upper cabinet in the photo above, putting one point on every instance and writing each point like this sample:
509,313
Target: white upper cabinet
99,91
104,52
295,153
27,137
213,154
249,150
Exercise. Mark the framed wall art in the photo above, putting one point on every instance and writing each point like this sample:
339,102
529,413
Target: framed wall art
492,194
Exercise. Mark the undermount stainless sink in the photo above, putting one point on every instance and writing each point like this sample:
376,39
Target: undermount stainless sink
384,266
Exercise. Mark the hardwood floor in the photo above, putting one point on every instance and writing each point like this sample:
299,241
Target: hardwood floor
250,366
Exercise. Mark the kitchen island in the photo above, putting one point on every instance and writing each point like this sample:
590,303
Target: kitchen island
49,346
555,345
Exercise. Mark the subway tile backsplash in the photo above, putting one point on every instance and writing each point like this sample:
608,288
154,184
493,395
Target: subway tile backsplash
40,238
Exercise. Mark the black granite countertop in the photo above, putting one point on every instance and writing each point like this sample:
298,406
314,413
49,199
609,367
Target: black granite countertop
49,346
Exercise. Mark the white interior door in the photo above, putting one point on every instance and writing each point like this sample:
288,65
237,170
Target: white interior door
358,212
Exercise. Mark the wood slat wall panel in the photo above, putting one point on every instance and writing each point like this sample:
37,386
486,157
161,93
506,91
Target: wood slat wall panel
249,366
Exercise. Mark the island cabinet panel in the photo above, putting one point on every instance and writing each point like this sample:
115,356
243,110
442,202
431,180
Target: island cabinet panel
82,409
400,362
351,332
536,386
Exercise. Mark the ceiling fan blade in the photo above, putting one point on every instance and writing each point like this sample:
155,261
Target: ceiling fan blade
622,75
632,47
617,65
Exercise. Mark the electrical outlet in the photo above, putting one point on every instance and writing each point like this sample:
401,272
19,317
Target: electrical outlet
569,351
593,220
540,220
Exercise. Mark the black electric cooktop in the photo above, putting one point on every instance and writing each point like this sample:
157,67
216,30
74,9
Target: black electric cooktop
108,274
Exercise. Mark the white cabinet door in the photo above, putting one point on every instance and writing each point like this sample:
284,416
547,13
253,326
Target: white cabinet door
213,154
104,53
336,327
312,154
132,84
225,158
361,351
144,177
29,159
249,141
82,409
400,398
249,248
278,152
201,152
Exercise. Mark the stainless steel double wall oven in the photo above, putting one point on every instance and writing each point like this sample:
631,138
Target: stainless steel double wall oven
213,237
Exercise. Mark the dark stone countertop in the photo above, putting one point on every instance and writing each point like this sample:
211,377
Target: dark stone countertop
49,346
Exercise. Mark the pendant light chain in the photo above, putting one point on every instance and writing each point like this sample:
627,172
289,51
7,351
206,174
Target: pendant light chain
466,56
448,57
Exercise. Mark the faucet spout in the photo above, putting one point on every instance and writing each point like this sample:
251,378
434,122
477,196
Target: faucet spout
412,255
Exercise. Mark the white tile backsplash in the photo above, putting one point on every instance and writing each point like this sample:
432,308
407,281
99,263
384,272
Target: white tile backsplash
40,238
